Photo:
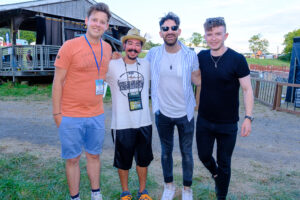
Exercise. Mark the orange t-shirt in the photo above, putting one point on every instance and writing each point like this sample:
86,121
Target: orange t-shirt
79,97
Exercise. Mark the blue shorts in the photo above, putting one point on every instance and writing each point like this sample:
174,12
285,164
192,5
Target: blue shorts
75,132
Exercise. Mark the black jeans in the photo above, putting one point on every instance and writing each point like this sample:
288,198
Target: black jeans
165,127
225,135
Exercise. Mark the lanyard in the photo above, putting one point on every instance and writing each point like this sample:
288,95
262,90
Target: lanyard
137,68
98,67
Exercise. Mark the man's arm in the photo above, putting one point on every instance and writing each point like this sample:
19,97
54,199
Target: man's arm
245,83
196,77
58,82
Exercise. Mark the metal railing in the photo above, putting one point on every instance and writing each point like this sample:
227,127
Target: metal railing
28,58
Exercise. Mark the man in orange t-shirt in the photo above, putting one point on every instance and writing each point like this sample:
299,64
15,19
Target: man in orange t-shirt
81,65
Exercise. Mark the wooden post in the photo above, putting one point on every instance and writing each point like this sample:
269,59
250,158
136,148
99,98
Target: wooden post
257,86
12,54
275,98
278,96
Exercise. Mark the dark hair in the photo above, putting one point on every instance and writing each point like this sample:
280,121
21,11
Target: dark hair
214,22
102,7
170,16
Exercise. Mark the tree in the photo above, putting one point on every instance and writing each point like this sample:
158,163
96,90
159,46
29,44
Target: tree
182,40
256,43
288,40
196,39
148,45
30,36
3,32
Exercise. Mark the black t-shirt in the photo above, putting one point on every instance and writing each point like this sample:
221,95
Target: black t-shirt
219,97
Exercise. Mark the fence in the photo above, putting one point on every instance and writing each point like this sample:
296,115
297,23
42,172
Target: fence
269,68
273,94
28,58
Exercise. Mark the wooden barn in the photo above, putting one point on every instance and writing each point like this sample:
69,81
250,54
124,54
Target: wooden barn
54,22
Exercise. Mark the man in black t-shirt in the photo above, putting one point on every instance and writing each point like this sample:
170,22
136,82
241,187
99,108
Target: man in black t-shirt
223,71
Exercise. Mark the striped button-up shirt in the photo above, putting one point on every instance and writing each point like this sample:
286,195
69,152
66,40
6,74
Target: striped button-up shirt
189,63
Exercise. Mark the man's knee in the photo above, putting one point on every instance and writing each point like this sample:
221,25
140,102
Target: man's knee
224,167
187,156
204,157
73,161
92,157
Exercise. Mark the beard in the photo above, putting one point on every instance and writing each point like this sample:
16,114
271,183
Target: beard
172,43
131,58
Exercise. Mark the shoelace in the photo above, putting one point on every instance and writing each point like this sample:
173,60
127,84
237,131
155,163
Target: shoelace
145,197
127,197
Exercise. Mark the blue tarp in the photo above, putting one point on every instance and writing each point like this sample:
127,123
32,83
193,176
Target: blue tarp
294,75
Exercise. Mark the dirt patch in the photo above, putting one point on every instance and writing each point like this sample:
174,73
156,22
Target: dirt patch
270,156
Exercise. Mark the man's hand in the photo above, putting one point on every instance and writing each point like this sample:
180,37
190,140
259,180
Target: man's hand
57,120
246,128
116,55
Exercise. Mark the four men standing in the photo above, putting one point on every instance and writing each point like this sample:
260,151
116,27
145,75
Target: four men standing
81,66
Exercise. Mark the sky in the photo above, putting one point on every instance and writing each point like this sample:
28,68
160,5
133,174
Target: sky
244,18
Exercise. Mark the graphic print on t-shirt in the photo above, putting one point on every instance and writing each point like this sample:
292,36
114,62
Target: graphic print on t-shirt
131,81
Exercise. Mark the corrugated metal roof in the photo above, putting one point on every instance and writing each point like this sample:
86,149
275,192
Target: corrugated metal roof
35,4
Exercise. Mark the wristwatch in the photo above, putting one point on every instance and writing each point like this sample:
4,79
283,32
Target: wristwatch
249,117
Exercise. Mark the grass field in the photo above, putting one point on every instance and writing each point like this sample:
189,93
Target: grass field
28,176
10,91
274,62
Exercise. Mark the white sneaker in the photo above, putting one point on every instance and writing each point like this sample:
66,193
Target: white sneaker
96,196
169,191
187,194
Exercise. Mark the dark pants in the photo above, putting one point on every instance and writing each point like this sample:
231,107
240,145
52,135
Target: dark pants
165,127
225,135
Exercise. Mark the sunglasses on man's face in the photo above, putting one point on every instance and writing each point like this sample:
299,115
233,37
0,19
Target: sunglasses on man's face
166,28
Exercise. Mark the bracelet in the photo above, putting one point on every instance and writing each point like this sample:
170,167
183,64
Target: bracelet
56,114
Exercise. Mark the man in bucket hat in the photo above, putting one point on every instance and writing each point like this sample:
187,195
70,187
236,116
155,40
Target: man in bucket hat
128,78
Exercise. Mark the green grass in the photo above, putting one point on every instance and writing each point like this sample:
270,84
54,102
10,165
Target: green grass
28,176
274,62
24,176
9,89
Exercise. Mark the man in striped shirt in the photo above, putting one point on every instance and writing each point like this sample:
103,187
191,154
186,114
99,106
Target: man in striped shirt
173,69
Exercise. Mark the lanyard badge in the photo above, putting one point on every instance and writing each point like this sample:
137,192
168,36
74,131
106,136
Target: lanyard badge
99,82
135,101
99,87
134,98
